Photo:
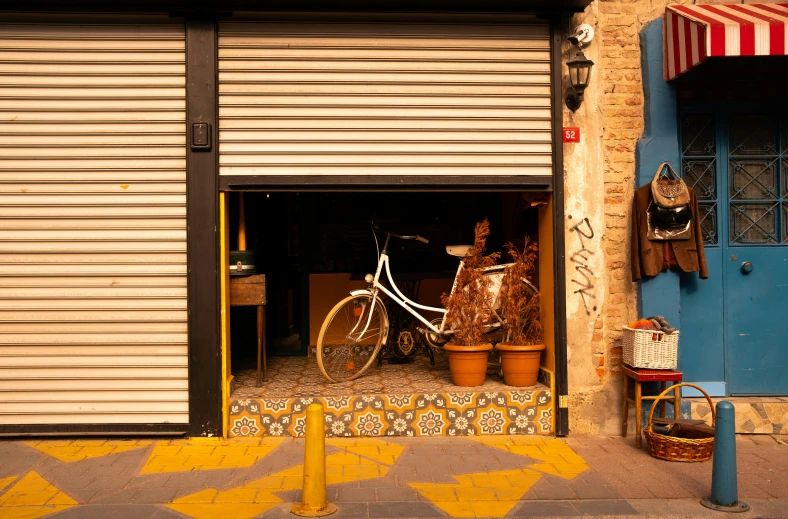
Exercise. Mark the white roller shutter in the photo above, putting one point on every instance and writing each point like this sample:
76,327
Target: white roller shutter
93,223
385,98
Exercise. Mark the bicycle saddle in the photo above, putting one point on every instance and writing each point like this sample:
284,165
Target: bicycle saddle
458,250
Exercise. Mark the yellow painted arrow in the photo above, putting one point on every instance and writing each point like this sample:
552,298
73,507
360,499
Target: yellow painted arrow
484,494
356,462
31,497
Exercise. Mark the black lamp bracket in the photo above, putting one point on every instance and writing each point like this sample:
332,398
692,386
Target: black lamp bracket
574,100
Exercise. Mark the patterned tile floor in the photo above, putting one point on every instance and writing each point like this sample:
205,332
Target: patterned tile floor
754,415
414,399
290,377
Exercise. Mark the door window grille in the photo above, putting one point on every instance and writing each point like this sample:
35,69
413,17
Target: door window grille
751,154
757,198
699,169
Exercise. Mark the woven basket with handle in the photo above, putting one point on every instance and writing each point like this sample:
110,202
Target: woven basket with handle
689,443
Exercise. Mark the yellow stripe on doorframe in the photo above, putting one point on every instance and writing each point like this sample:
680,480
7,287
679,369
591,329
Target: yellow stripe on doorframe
224,273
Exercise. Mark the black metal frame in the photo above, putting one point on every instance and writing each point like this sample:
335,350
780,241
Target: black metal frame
202,216
559,235
110,429
389,183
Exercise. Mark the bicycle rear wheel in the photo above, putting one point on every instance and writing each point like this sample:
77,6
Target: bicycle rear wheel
343,353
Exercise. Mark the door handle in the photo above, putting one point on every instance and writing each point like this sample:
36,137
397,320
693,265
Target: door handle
746,267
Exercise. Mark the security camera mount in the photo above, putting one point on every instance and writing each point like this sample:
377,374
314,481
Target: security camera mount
582,36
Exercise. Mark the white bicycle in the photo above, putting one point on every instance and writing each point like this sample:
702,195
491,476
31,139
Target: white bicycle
356,329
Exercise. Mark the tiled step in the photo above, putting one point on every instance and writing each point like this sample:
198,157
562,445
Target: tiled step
411,399
521,411
754,415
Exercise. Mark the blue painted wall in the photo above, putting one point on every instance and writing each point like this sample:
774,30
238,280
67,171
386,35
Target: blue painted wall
659,295
687,302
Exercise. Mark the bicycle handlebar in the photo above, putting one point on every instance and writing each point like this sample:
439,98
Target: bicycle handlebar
416,237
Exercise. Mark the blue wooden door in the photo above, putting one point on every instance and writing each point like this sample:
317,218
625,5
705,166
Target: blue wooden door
756,259
736,159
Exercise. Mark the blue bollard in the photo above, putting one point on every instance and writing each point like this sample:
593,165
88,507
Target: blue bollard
724,488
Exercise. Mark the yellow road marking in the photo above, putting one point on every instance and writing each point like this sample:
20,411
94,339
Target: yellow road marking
205,455
6,481
484,494
258,496
558,458
372,448
77,450
31,497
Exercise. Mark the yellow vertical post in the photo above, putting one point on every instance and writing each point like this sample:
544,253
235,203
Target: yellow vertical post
313,497
224,269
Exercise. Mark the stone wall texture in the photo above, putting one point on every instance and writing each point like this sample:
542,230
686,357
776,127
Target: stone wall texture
600,173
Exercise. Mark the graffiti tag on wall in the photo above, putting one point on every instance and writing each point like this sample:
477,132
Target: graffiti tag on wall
584,275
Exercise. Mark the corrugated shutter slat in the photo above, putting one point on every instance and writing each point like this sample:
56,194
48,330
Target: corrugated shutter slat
92,222
376,98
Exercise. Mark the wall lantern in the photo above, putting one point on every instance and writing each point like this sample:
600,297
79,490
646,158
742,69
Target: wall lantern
579,67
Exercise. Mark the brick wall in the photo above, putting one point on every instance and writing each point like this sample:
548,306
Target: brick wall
618,107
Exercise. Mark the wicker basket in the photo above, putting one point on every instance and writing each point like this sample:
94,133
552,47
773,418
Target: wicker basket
689,444
650,349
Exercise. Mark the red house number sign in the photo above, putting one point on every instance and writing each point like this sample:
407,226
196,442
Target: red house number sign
571,134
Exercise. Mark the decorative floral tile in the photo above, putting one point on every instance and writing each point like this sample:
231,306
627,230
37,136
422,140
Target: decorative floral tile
431,423
424,414
369,423
392,400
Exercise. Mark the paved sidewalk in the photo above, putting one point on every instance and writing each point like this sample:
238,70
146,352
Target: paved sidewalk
487,476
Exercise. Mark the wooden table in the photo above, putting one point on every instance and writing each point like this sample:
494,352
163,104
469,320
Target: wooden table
250,291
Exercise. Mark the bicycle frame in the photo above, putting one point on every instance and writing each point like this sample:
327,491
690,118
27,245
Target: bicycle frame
406,303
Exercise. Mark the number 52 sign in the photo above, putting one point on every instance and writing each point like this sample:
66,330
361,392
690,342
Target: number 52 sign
571,134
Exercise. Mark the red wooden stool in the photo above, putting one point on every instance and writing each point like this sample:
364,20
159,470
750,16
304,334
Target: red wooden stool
640,375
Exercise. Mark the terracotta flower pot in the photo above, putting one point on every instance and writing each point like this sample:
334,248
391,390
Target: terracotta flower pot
468,364
520,364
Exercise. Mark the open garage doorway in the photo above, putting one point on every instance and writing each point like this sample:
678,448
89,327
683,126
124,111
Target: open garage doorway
315,247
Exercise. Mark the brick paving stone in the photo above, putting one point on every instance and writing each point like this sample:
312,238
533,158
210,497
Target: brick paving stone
604,507
108,482
113,496
443,459
398,494
551,489
760,439
426,450
345,511
544,509
186,479
353,495
110,512
388,480
596,491
402,509
187,491
166,513
627,489
154,496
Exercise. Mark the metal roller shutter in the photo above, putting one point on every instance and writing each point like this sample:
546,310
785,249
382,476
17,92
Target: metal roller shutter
385,98
93,223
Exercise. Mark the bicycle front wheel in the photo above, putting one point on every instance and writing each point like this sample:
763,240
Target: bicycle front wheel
347,346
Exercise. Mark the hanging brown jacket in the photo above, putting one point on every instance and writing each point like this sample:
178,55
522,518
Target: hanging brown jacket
647,259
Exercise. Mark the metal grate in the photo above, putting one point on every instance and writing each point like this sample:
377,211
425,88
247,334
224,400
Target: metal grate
757,180
699,169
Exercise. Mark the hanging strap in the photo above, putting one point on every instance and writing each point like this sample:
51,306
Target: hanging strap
661,171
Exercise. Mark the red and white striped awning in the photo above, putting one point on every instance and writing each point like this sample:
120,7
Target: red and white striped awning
693,33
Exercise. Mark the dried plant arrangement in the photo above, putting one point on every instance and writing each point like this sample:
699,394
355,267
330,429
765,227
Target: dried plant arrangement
520,305
469,307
